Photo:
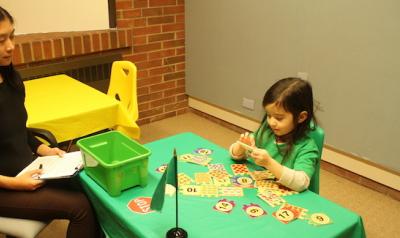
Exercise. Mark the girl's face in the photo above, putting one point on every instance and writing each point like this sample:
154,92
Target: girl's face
6,42
279,120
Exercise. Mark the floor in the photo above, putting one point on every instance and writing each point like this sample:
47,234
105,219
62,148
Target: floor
379,212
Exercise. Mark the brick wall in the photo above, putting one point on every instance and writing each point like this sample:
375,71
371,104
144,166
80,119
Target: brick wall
150,33
159,54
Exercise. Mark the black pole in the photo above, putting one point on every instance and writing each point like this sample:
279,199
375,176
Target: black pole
176,190
176,232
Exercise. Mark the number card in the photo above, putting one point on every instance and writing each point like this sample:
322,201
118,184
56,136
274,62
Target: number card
319,219
224,206
244,181
253,210
162,168
203,151
191,190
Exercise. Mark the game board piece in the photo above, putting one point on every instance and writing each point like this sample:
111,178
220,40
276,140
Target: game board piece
262,175
300,212
220,174
224,206
226,181
271,198
213,167
253,210
209,190
260,184
162,168
191,190
196,159
244,181
203,151
319,219
202,178
184,179
285,216
249,148
230,191
239,169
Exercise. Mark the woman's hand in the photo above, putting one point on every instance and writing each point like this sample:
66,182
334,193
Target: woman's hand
261,157
23,182
45,150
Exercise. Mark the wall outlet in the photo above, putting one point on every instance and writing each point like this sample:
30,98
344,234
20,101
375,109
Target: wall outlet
302,75
248,103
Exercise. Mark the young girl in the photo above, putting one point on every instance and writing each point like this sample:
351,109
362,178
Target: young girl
281,144
23,196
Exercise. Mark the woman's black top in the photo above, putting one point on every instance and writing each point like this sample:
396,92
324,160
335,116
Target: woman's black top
16,143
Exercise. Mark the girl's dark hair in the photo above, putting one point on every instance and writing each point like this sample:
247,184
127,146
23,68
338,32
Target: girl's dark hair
4,14
294,95
8,72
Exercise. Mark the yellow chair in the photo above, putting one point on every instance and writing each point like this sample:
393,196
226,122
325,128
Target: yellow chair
123,88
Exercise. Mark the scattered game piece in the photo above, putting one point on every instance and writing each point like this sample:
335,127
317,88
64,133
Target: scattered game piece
203,151
318,219
140,205
184,179
299,211
196,159
285,216
162,168
287,213
202,178
213,167
271,198
254,210
248,147
224,206
226,181
266,184
221,174
244,181
191,190
262,175
230,191
209,190
240,169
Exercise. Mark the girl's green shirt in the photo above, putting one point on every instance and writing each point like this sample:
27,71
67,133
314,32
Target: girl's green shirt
303,156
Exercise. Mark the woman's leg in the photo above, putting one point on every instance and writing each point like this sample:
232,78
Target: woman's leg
52,202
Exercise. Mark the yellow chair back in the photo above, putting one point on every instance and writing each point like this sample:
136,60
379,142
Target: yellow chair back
123,86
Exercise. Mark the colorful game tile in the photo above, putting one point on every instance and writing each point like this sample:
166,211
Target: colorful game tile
253,210
224,206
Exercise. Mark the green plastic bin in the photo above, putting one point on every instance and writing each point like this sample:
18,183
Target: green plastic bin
115,161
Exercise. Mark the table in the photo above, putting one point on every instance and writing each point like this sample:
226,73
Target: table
71,109
197,216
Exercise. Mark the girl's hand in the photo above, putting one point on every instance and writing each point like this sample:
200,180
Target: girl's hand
238,149
27,181
247,138
261,157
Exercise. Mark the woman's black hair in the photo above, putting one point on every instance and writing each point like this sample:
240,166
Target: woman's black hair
10,76
295,96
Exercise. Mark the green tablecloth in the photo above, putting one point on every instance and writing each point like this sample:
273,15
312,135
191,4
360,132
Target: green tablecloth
196,214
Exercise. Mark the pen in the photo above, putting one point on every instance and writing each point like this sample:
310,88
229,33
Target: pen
40,166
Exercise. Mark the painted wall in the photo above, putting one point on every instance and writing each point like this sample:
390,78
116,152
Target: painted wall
349,49
57,16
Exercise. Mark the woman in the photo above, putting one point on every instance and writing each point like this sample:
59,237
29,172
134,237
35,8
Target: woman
23,196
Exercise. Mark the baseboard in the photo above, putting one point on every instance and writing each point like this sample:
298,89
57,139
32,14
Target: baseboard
341,160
